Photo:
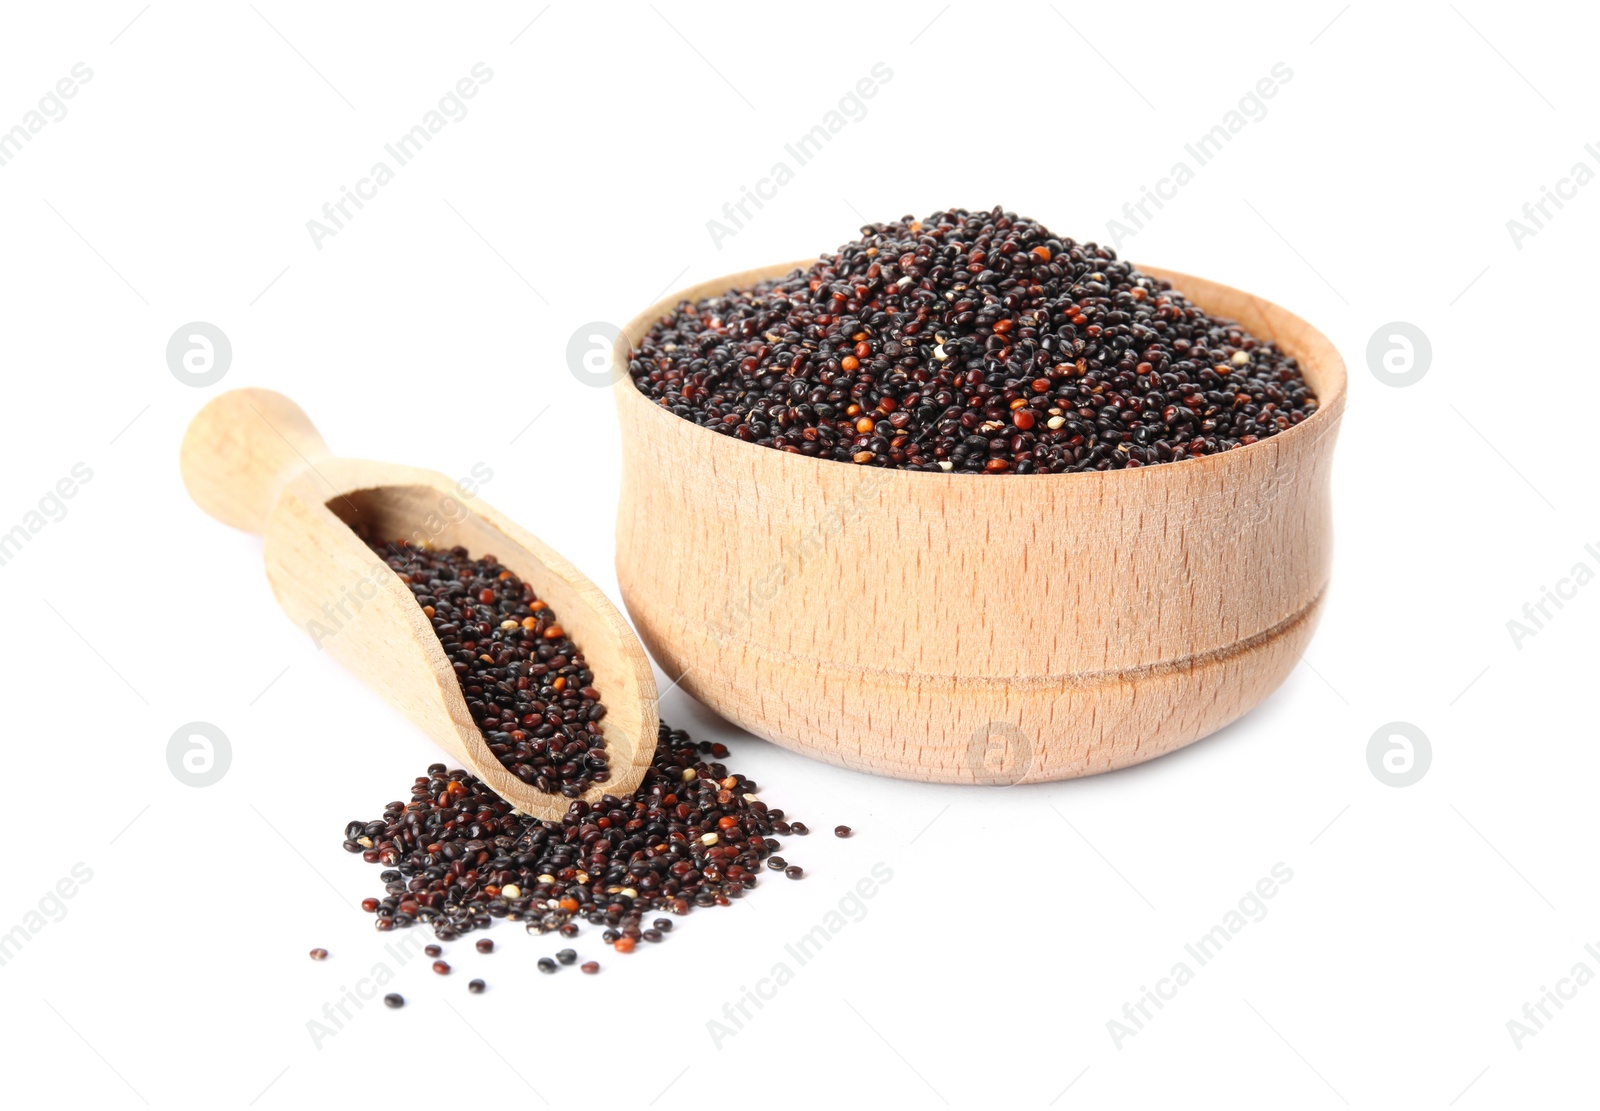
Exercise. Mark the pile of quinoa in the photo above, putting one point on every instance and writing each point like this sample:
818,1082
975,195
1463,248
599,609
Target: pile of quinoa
970,342
457,856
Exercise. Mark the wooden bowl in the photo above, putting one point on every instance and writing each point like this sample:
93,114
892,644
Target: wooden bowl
977,628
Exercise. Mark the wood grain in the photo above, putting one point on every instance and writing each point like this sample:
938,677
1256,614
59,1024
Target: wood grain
978,628
252,459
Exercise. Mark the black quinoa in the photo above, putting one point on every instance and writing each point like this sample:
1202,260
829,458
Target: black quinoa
456,857
971,342
525,683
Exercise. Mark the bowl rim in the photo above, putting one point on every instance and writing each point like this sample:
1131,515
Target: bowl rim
1318,351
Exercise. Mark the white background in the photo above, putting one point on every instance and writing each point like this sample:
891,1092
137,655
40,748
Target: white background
433,328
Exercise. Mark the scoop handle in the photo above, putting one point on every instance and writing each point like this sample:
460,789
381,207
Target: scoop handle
242,449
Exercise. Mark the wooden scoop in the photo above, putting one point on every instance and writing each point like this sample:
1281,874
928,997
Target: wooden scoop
252,459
